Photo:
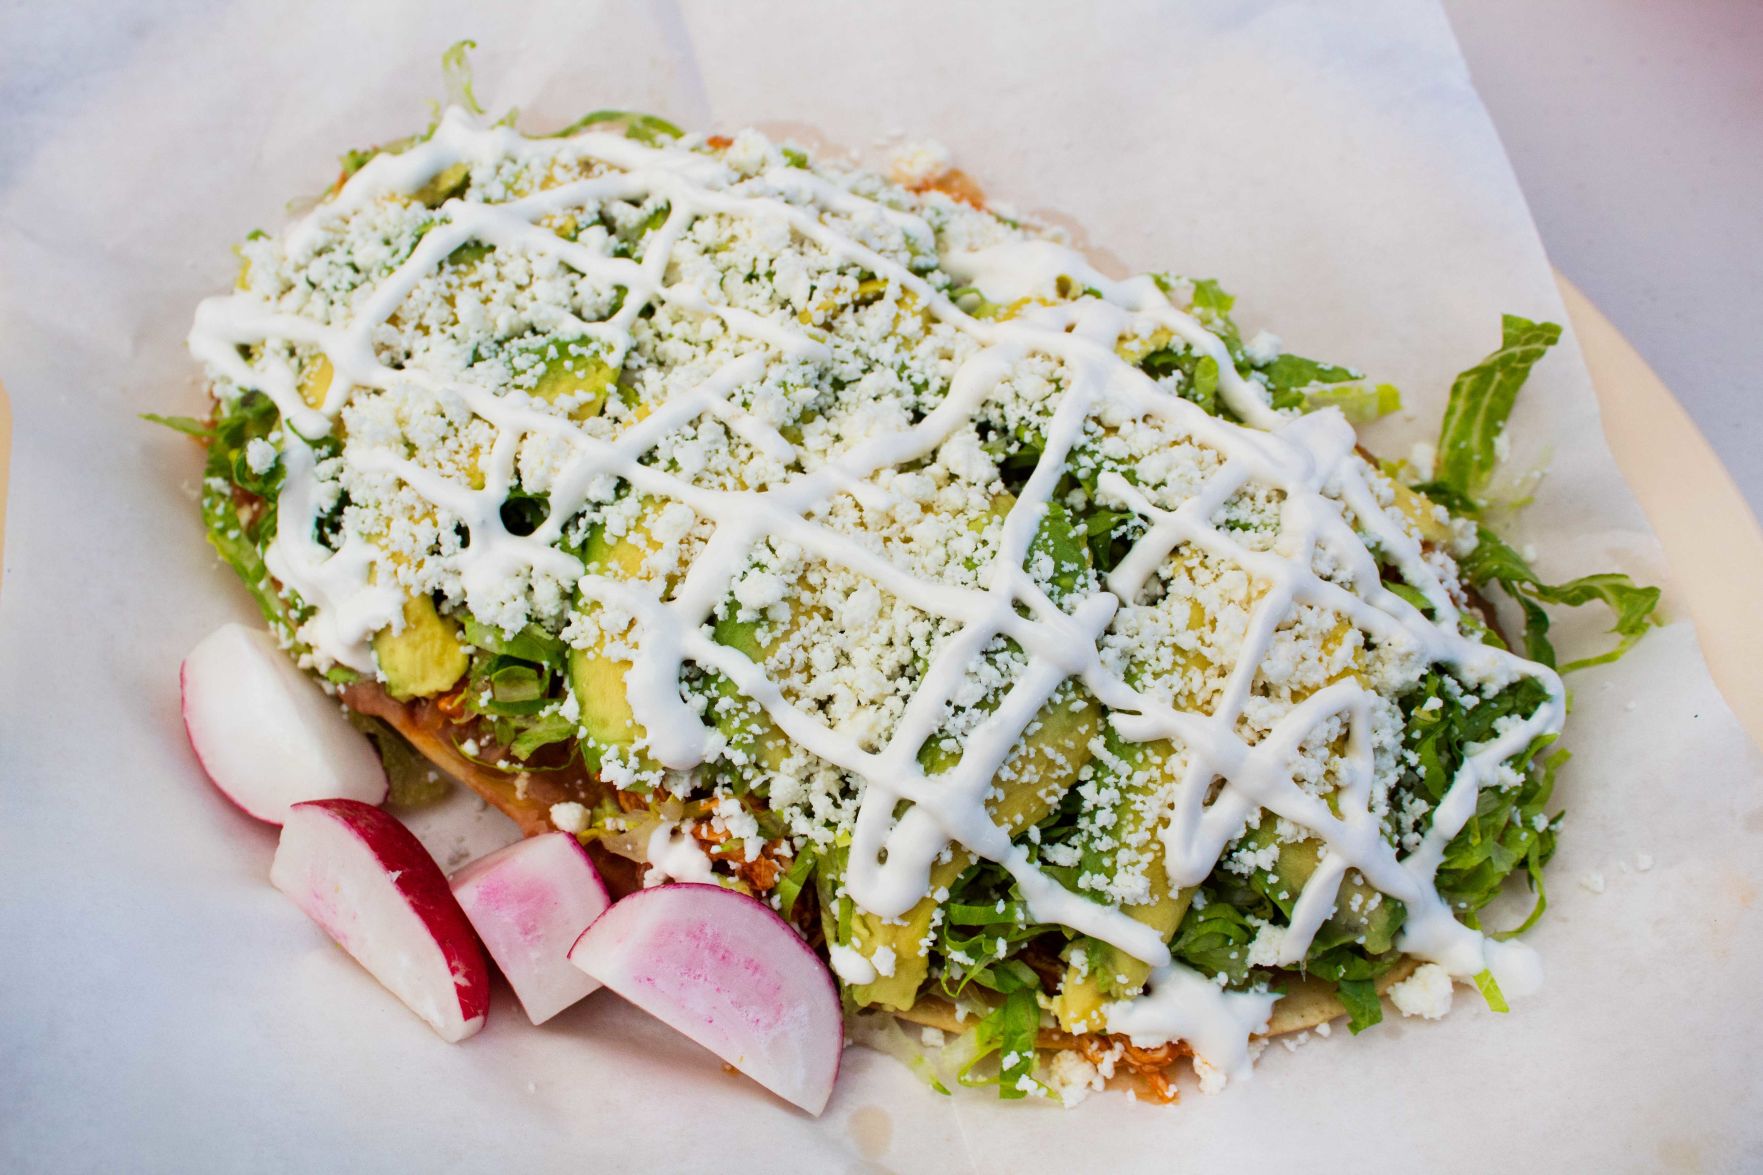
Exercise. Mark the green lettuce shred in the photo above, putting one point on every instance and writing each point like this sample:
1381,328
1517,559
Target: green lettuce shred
789,886
413,780
188,425
1364,1007
456,73
1358,403
1631,605
1009,1031
645,128
1480,404
1490,991
239,538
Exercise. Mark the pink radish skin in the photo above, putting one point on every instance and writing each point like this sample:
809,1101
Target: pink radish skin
373,888
529,902
265,734
727,972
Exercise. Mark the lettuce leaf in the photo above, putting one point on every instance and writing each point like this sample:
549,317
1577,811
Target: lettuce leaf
1215,938
1360,998
1212,307
1357,402
1009,1030
1294,373
414,781
1481,402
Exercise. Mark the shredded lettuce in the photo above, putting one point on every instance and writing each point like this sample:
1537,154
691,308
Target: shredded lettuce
456,73
1009,1031
1511,826
1357,402
238,533
413,780
789,886
517,683
645,128
1480,404
1631,605
985,924
1212,307
1360,998
1214,938
188,425
1490,991
1291,373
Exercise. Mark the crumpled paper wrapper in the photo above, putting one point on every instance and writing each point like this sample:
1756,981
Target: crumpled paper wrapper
166,1010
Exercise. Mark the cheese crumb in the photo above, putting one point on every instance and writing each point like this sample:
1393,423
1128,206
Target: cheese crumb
850,965
1071,1078
1212,1079
1426,993
916,164
260,456
569,817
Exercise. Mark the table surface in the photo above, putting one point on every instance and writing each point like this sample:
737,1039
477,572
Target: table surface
1636,130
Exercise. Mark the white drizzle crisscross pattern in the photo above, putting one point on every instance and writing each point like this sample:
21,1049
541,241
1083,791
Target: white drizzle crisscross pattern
1308,460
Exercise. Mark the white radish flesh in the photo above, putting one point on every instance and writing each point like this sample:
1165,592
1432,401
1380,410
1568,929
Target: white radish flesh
529,902
265,734
727,972
373,888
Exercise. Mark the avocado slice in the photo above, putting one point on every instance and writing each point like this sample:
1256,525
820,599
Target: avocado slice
1361,913
572,368
596,678
315,380
1044,765
598,684
445,184
1105,973
1421,510
425,657
750,729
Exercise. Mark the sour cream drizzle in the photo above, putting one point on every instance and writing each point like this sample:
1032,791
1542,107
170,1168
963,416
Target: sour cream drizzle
890,859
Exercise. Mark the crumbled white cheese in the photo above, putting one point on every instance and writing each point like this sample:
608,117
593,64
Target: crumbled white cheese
260,456
915,164
569,816
1071,1078
1212,1079
1426,993
850,965
1263,348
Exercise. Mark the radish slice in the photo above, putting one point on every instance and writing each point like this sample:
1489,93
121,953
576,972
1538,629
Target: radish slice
266,735
723,969
371,885
529,902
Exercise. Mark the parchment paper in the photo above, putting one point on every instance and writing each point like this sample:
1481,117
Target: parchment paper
163,1009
